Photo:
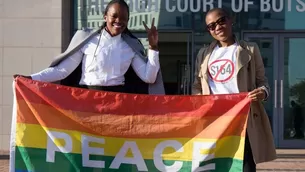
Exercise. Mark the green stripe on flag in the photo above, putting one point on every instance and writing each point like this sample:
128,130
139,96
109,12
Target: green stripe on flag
32,159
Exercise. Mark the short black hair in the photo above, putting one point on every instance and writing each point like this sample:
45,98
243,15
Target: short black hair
219,10
124,4
121,2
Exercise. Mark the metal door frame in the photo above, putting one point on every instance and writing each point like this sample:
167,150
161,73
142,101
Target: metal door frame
275,119
297,143
190,59
278,75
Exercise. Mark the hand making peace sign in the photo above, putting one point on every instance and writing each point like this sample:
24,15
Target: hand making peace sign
152,35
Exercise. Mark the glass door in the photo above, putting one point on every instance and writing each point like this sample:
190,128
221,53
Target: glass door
292,90
176,59
283,56
268,45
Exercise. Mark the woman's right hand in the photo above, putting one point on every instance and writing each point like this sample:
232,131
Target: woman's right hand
17,75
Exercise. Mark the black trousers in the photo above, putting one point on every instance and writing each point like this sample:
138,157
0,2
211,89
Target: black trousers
119,88
249,164
298,122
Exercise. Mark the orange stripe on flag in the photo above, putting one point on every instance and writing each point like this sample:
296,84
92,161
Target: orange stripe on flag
134,126
84,100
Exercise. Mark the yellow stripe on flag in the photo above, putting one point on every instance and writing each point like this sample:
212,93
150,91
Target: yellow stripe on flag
35,136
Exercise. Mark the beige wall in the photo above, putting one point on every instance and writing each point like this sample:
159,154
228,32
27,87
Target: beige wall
30,35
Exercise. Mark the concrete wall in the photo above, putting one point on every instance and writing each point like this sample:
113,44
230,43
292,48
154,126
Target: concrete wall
30,36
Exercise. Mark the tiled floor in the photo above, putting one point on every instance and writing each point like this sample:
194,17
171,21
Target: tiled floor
283,165
288,161
4,165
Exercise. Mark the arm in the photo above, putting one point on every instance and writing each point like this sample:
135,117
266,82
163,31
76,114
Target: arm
196,87
263,90
61,71
147,71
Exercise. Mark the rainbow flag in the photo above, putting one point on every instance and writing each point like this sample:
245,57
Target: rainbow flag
63,129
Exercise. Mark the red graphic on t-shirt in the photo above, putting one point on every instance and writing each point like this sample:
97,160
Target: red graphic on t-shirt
221,70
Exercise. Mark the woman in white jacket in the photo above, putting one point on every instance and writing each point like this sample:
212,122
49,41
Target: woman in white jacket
106,56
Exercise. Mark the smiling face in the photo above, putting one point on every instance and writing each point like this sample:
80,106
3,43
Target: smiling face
219,25
116,19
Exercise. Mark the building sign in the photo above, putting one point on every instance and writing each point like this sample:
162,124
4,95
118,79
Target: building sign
200,5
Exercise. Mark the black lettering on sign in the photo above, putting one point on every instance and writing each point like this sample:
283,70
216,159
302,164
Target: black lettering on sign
212,70
221,70
229,69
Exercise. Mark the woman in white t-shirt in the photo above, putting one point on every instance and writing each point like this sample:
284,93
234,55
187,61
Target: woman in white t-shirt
231,66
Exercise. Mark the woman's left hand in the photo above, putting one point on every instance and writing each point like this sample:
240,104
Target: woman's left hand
152,35
258,94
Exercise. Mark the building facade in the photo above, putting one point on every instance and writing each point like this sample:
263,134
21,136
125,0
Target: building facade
32,33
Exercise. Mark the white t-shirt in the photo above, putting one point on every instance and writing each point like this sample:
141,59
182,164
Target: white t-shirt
222,70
